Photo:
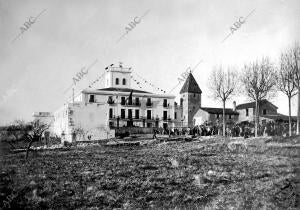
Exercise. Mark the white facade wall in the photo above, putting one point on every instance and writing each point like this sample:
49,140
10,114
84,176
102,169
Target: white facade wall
157,109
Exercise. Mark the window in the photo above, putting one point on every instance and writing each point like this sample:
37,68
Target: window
122,113
137,114
117,81
264,112
218,116
110,100
148,102
122,100
247,112
175,115
92,98
129,113
230,116
149,125
165,104
124,81
165,115
137,101
111,113
194,95
148,114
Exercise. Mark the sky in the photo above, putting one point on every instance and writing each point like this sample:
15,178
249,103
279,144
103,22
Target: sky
65,37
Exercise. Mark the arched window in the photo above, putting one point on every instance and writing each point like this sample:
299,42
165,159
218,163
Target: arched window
117,81
124,81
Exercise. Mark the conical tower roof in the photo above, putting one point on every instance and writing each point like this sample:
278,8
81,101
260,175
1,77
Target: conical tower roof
190,85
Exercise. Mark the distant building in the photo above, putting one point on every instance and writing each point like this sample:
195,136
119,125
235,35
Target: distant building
247,110
267,112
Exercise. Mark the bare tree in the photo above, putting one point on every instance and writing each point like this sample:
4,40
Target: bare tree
294,54
33,132
223,84
259,81
285,82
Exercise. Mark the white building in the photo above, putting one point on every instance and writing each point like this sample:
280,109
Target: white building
96,112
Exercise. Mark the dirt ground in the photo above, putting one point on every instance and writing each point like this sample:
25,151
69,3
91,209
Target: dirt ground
206,173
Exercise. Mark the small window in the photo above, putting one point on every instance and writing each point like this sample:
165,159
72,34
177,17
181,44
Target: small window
165,115
124,81
123,100
122,113
175,115
110,100
117,81
129,113
247,112
230,116
137,114
218,116
137,101
165,103
148,114
194,95
110,113
264,112
92,98
148,102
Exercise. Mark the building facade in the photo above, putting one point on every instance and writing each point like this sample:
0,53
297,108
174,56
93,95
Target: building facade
97,112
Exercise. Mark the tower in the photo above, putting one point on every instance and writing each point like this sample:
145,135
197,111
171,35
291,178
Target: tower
190,97
117,77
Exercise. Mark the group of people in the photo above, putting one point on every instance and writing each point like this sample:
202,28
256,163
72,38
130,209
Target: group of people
245,129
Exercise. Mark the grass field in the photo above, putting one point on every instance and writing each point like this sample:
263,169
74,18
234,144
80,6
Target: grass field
203,174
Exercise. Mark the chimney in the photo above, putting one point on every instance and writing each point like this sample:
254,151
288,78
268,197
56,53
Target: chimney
234,106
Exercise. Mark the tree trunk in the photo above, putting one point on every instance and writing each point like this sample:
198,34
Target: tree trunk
290,123
224,120
28,147
298,114
256,117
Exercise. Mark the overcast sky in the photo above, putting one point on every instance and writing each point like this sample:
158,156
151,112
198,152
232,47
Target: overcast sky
39,65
